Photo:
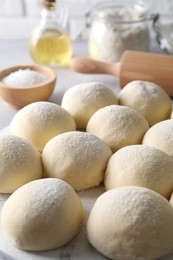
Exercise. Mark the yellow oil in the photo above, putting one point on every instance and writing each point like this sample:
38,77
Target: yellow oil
50,48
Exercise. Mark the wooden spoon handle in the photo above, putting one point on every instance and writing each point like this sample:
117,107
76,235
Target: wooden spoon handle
85,65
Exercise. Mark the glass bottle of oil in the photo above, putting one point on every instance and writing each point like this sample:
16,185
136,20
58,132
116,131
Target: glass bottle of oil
49,44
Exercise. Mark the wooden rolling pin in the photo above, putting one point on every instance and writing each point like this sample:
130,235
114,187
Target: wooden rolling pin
157,68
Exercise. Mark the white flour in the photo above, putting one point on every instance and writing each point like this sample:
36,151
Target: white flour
117,30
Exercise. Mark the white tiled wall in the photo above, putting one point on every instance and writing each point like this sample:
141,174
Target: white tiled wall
17,18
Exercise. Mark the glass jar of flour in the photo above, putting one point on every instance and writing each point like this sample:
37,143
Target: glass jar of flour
116,28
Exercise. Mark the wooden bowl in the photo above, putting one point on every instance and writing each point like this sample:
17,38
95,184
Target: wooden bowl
18,97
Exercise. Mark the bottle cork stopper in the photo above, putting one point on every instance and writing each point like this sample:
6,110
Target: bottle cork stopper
48,4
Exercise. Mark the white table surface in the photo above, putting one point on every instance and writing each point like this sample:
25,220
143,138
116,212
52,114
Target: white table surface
16,52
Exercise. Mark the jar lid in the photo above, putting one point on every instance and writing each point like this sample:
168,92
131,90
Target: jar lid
122,12
164,33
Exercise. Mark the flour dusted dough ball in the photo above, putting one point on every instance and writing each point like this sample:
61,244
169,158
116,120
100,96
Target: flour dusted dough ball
118,126
20,163
148,99
42,215
140,165
83,100
77,158
130,222
40,121
161,136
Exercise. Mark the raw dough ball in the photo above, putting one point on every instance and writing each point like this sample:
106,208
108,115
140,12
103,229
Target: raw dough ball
130,222
141,165
161,136
77,158
40,121
42,215
83,100
118,126
148,99
20,163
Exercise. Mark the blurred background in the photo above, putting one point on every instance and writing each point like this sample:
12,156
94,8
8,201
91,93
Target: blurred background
19,17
